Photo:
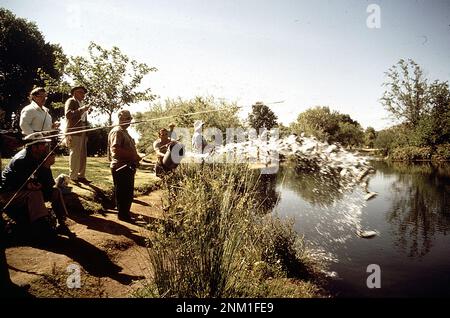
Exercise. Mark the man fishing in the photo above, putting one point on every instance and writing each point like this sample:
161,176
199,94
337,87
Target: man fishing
124,160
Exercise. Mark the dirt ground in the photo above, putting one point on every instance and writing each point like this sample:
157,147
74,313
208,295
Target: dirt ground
110,255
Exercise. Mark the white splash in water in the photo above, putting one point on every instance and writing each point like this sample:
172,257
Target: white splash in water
328,161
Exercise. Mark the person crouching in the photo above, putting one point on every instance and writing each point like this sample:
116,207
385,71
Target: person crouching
30,191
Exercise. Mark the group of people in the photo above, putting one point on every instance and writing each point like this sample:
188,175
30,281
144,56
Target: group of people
27,181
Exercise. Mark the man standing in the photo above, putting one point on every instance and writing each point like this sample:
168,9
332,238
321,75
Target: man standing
198,141
76,116
124,160
35,116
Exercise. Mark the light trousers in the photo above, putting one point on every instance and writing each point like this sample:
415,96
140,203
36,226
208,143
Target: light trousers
77,156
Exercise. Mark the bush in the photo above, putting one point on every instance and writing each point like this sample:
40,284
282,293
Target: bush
214,242
442,153
411,153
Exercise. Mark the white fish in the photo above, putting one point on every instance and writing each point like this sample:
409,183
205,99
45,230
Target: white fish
370,195
366,234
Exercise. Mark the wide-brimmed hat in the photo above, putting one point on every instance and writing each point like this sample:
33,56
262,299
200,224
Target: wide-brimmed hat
35,138
37,90
78,87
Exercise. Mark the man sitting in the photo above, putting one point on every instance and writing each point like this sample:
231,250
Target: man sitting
30,189
161,146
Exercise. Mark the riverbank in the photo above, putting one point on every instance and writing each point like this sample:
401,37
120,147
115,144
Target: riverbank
118,259
440,153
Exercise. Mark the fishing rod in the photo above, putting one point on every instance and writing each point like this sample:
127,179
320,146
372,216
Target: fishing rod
37,168
133,123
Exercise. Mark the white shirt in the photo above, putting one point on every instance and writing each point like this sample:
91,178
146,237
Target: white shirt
34,118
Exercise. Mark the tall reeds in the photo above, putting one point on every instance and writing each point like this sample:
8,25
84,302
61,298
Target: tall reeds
213,234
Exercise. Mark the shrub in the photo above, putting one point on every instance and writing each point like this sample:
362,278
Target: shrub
213,241
411,153
442,153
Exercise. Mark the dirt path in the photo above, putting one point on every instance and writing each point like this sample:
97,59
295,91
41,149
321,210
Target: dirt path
111,256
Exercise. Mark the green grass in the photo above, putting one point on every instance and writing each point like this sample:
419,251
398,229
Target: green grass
98,197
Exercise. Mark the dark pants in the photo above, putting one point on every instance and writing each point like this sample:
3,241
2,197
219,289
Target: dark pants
123,189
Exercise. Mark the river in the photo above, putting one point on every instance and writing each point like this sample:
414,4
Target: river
411,214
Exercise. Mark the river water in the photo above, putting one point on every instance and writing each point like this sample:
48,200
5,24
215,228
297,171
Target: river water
411,214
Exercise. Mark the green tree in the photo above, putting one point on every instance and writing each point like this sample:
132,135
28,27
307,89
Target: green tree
392,137
329,126
23,52
222,115
111,77
319,122
439,97
350,135
406,95
262,116
369,137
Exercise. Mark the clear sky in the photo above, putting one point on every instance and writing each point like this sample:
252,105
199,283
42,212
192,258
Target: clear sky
304,53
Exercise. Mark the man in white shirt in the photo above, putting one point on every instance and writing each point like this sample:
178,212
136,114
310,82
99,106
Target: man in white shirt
35,116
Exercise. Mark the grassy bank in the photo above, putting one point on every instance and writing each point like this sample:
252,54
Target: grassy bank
218,240
413,153
98,196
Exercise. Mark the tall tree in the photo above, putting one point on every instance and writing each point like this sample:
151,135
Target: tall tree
23,52
369,137
406,94
262,117
330,126
319,122
112,79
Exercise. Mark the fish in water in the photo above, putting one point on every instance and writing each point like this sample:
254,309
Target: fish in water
370,195
366,234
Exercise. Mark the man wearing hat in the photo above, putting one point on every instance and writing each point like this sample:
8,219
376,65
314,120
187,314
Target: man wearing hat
35,117
124,160
33,188
76,116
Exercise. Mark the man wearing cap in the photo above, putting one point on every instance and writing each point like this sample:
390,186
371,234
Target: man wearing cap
33,188
124,160
35,117
76,116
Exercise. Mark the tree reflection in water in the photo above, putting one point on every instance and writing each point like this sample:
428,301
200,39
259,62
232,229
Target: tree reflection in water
420,205
266,193
316,188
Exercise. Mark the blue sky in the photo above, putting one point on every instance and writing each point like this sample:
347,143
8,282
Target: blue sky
304,53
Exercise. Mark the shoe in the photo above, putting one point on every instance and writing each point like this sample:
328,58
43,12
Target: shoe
64,230
84,180
126,218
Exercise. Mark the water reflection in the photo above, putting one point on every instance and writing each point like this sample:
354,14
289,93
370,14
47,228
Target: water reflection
266,192
420,210
318,189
